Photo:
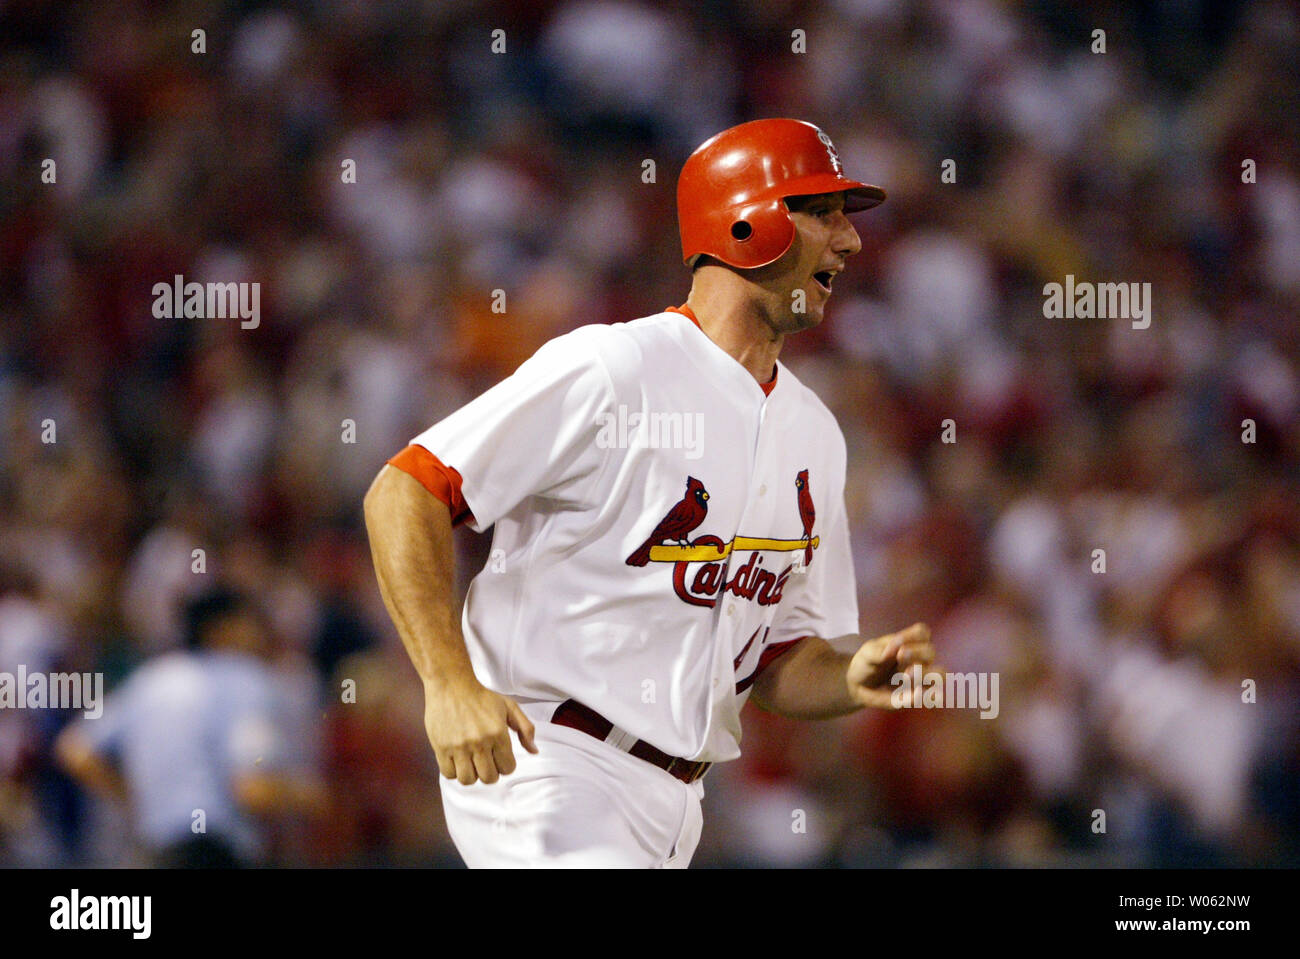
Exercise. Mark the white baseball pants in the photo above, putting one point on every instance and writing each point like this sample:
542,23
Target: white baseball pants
578,803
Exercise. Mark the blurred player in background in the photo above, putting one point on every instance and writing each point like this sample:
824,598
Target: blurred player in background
192,741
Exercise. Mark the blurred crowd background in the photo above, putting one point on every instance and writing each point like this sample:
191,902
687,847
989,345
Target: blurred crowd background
1120,691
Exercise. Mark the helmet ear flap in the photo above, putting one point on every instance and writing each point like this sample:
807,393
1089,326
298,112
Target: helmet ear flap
758,234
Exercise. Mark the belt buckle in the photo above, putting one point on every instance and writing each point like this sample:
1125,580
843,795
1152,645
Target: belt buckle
697,768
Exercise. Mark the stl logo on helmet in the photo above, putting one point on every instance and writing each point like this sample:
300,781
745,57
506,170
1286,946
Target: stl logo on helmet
711,555
831,152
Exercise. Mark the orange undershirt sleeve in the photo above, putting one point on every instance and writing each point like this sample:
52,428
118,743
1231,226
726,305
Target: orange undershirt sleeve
439,479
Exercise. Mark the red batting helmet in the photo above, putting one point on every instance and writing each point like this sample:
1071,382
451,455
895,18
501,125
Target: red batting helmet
730,192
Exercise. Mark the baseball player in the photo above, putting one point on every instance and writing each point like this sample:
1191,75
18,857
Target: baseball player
670,537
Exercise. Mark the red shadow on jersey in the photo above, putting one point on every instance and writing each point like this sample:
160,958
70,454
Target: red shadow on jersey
682,519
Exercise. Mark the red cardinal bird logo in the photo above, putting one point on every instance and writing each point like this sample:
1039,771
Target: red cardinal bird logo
688,513
807,512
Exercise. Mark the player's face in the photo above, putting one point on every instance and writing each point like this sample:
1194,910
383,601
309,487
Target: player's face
242,632
797,286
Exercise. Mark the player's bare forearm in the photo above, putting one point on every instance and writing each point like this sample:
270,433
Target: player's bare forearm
277,794
80,761
814,681
411,543
806,683
412,547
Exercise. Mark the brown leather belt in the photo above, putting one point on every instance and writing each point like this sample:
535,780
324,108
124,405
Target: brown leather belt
573,714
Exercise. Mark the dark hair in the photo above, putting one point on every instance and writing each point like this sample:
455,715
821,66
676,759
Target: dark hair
16,579
208,608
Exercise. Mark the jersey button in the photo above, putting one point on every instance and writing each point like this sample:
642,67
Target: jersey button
762,490
731,609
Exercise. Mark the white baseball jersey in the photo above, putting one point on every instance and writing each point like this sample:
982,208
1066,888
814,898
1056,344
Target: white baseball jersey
654,512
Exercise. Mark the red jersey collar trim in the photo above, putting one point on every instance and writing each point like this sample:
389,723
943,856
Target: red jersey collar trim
687,312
